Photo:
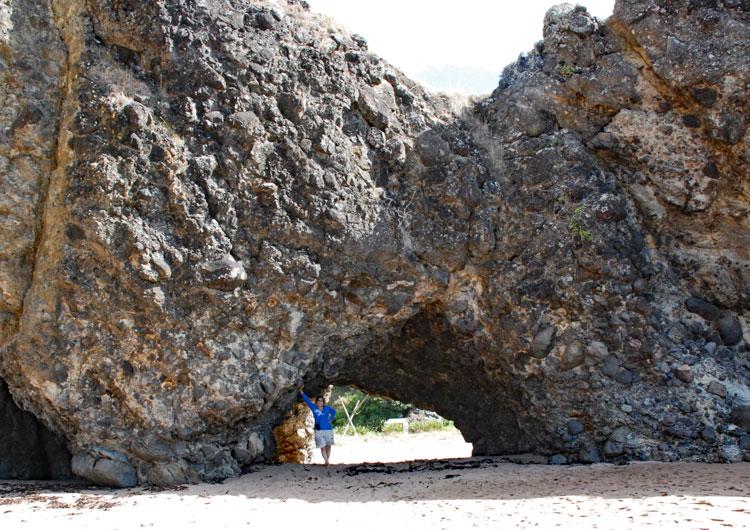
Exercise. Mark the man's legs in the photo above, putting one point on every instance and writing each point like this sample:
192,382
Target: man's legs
326,451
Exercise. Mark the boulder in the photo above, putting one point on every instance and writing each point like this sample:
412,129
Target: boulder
108,468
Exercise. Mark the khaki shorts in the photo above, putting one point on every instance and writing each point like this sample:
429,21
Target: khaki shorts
323,438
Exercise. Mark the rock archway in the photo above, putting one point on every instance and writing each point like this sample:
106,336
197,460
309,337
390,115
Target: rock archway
436,367
212,203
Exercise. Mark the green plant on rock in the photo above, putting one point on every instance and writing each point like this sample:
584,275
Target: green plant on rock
567,70
576,223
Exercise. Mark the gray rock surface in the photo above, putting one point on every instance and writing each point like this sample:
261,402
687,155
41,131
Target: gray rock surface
211,204
105,467
730,330
557,460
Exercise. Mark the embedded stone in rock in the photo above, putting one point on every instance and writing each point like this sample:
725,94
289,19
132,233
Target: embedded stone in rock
226,274
557,460
613,448
730,330
244,120
168,473
708,434
705,96
620,434
265,20
610,366
741,417
700,307
573,355
589,454
377,104
292,106
626,377
575,427
717,389
597,350
684,373
543,342
730,452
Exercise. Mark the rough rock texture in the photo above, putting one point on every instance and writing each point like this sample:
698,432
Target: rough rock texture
213,202
295,435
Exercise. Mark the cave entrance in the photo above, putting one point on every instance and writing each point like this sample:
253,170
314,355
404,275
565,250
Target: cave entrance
371,428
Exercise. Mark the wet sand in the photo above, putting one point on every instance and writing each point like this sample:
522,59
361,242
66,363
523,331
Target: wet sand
451,493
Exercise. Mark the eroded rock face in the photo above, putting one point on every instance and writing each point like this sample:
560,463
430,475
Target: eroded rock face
219,201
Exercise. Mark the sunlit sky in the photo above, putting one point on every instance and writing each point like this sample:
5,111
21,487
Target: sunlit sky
449,45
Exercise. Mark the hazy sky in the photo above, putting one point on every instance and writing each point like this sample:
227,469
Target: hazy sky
449,45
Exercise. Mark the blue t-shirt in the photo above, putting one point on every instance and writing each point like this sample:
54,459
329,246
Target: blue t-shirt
323,417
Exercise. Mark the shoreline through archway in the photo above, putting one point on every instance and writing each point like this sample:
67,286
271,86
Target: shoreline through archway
373,429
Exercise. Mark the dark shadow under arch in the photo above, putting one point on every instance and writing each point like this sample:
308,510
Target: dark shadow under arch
432,365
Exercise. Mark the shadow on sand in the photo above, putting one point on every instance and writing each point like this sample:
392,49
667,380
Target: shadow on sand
497,478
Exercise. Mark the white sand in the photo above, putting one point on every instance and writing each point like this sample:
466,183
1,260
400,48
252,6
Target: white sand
397,447
495,494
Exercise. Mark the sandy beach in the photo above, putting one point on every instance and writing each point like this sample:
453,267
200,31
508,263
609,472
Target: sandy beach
397,447
454,492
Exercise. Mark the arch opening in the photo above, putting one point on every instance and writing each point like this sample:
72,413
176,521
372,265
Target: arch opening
431,364
371,428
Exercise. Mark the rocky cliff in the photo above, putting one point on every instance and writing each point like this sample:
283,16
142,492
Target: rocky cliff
209,203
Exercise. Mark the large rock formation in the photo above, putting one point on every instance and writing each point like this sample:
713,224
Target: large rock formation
209,203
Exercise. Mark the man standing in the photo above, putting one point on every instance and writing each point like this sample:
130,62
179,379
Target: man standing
323,415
